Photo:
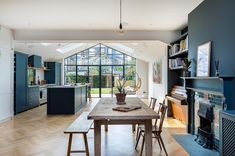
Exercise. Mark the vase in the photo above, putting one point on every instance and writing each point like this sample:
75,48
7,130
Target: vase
121,98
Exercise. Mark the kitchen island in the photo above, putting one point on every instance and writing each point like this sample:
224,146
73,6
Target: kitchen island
66,99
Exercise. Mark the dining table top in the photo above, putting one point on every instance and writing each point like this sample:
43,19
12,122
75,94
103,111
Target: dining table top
104,110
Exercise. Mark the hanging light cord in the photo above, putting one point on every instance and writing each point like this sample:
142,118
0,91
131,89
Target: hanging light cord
120,26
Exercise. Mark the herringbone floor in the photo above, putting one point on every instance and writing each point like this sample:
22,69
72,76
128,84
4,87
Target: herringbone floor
33,133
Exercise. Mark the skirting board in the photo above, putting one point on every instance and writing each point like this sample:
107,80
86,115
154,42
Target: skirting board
6,119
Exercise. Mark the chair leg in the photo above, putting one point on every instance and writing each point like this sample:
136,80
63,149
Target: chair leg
142,146
86,144
137,141
69,144
137,133
163,145
159,143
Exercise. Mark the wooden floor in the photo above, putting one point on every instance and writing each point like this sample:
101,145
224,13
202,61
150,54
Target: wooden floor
33,133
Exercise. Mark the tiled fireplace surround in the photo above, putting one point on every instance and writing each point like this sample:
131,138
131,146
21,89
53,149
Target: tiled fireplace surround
216,101
215,91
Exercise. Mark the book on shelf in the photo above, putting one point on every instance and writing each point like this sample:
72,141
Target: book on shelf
184,44
178,48
174,63
174,49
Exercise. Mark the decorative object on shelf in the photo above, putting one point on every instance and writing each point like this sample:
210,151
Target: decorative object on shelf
203,59
186,67
157,71
216,67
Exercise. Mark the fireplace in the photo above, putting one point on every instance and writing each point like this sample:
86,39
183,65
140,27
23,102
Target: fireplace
204,131
206,118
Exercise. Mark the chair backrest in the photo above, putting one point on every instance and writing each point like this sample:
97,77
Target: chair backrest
153,102
162,116
162,112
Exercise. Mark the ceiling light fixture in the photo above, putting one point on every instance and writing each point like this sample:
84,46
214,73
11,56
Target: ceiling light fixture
121,31
45,44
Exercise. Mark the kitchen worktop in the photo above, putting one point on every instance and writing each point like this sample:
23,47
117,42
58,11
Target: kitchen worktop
67,86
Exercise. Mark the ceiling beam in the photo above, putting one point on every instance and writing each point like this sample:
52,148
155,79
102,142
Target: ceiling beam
93,36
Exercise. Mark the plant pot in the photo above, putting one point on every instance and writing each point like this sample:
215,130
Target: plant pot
186,73
120,98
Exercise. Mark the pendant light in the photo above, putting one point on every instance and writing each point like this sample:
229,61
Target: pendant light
121,31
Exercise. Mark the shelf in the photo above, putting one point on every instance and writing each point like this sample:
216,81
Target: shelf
205,91
176,68
180,38
34,68
207,78
179,53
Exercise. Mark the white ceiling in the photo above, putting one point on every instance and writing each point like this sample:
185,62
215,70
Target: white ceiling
95,14
141,50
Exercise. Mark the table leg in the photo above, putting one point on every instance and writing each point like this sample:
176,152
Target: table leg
106,127
148,138
133,128
97,141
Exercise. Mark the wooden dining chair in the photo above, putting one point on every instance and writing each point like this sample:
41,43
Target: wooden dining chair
156,130
152,105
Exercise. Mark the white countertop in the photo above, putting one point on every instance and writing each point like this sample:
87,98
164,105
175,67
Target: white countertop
67,86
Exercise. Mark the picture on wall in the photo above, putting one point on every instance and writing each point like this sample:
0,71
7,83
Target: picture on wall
203,59
157,71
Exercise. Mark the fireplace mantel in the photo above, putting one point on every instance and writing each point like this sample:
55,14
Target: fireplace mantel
220,86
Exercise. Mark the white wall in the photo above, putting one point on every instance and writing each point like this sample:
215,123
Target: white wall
142,70
6,76
158,90
40,73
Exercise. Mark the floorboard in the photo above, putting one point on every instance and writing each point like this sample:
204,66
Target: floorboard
33,133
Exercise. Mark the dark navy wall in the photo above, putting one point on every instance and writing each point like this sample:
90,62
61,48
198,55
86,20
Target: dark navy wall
214,20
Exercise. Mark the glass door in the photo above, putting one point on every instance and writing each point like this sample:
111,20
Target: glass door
117,74
94,79
106,81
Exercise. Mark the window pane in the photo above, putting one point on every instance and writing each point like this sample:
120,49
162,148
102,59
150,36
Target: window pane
82,58
117,58
94,79
106,56
106,81
94,55
70,60
130,60
82,75
70,74
130,75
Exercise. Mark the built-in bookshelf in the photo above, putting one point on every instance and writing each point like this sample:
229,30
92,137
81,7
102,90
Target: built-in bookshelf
177,52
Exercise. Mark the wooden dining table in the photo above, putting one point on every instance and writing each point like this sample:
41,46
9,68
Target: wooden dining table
103,114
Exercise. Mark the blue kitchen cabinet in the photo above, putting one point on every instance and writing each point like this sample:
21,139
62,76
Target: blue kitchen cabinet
53,74
35,61
20,82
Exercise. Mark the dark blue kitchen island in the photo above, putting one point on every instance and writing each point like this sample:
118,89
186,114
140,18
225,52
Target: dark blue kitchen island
66,99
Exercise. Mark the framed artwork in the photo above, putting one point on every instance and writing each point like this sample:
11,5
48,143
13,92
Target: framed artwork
203,59
157,71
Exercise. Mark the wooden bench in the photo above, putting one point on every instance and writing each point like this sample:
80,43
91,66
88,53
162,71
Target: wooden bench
80,126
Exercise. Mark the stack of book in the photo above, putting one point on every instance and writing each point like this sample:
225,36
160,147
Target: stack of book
178,48
175,63
174,49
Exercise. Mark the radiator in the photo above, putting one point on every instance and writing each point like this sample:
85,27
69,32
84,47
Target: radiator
227,133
